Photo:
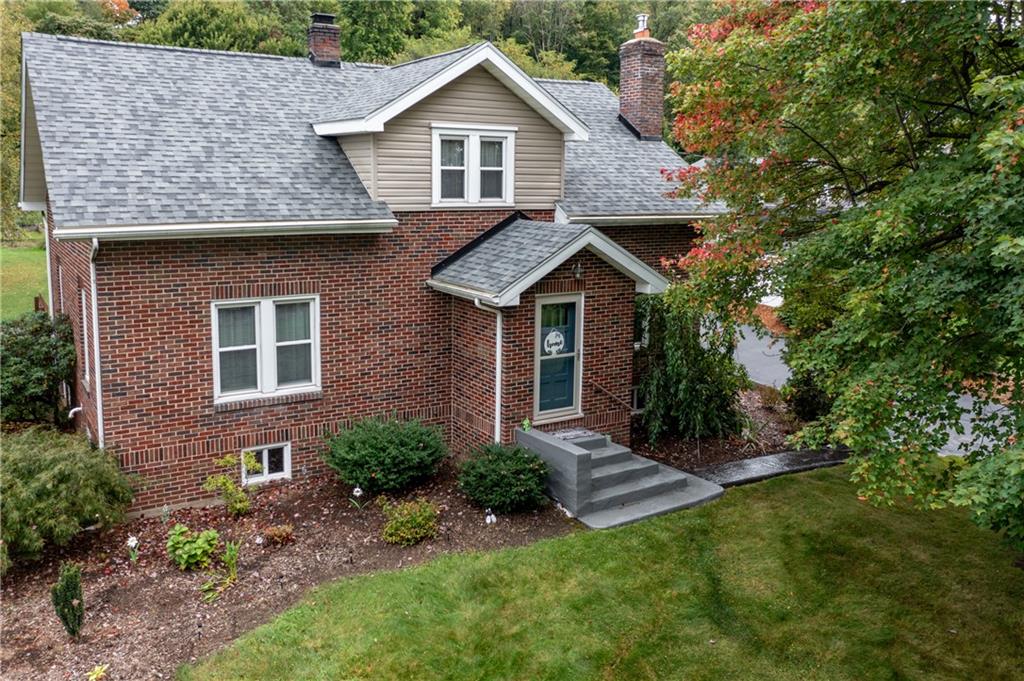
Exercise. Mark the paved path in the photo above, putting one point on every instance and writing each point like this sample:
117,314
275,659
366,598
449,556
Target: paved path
734,473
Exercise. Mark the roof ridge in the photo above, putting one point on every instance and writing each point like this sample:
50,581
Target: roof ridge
577,81
435,56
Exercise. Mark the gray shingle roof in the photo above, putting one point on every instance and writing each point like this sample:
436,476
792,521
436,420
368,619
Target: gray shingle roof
614,173
506,254
147,135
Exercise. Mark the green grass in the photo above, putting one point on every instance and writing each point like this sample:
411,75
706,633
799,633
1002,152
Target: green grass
788,579
22,278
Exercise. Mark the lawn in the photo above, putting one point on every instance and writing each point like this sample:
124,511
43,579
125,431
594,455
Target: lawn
788,579
22,277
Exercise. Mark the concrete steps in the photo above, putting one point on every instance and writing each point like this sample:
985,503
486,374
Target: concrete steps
695,493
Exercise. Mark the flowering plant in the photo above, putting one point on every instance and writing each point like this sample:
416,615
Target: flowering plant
133,548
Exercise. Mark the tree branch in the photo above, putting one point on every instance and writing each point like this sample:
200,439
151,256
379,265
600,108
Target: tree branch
835,161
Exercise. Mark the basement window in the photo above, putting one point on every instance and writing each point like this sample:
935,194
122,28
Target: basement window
472,166
275,464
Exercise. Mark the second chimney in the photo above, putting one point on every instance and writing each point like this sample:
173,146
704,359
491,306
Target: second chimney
642,82
324,40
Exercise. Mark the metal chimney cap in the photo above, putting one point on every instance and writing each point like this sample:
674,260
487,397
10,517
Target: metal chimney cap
322,18
641,22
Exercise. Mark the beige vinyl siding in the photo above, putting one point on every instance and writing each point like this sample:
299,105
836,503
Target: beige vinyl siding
403,148
359,149
33,176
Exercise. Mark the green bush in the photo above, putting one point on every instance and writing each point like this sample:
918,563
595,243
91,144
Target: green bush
190,550
37,354
993,488
67,598
51,486
383,456
805,397
504,478
236,498
409,522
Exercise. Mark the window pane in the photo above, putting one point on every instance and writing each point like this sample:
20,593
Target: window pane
557,383
453,152
236,326
238,370
453,183
292,321
294,364
490,154
275,461
557,328
491,182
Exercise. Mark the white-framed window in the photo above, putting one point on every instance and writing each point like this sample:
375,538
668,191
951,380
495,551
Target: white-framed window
86,359
275,464
472,165
265,347
558,358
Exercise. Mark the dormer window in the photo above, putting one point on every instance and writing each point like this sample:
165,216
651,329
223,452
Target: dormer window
472,165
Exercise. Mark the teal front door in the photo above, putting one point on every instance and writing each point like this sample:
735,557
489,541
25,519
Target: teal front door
558,355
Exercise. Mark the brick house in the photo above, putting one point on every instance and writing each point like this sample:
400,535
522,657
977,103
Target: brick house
255,249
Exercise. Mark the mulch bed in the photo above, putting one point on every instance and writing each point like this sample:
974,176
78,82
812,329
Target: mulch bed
771,425
146,619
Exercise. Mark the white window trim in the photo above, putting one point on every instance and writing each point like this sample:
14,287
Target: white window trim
266,348
472,134
87,363
576,410
261,454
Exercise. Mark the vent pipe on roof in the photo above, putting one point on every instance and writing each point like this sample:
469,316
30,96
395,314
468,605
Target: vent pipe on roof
642,82
324,40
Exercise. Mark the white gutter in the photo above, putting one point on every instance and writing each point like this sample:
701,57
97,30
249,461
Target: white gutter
497,367
475,295
96,341
598,220
225,229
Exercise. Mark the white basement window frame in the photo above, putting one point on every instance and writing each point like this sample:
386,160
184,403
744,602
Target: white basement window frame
275,461
473,137
267,346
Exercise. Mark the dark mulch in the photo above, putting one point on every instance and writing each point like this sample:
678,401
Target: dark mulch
771,424
146,619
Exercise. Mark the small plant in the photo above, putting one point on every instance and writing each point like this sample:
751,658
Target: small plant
189,550
409,522
98,673
380,456
133,548
222,580
504,478
357,492
66,595
236,498
279,534
770,396
230,559
165,514
526,425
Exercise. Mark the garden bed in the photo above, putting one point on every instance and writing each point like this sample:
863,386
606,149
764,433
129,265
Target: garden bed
771,424
146,619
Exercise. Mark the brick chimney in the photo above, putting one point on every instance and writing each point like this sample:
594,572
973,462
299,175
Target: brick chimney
642,82
324,40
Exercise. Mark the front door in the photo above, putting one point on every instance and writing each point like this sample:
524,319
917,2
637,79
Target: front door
559,342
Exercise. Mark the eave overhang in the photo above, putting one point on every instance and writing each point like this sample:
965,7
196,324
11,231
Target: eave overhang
223,229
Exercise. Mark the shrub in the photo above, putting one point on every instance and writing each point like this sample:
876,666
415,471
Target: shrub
51,486
37,354
67,599
279,534
993,488
504,479
190,550
383,456
690,381
409,522
236,498
805,397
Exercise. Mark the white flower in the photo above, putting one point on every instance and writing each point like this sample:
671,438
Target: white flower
491,518
357,492
259,540
133,541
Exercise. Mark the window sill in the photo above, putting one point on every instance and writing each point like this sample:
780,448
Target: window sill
267,479
268,400
544,420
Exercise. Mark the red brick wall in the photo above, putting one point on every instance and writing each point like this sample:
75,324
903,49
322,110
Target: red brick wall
607,348
472,376
651,243
385,341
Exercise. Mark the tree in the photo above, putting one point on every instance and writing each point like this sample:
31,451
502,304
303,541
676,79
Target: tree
874,150
37,355
435,17
226,25
374,31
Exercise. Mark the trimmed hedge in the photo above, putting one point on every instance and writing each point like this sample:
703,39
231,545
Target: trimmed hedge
385,456
504,478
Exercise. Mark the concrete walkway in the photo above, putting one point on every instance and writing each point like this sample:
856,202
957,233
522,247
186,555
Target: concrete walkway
734,473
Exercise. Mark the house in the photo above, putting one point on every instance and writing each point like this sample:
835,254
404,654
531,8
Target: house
255,249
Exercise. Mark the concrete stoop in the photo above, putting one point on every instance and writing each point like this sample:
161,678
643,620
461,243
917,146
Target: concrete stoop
606,485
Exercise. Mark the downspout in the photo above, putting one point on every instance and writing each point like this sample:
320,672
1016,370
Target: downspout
96,341
49,275
497,367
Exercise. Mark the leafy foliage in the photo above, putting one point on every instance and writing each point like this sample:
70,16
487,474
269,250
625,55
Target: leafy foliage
805,397
225,25
67,598
504,478
691,382
993,488
374,30
51,486
37,354
279,534
235,497
409,522
190,550
383,456
871,157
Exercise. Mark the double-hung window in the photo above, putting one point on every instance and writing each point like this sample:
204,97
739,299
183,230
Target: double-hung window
473,165
266,347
